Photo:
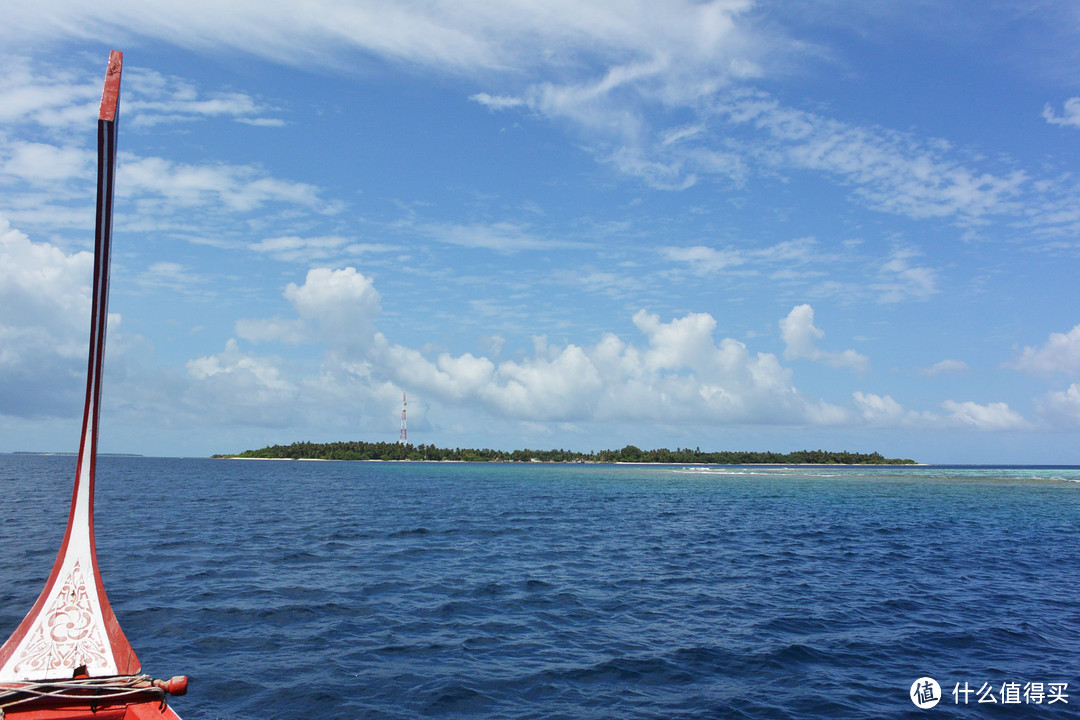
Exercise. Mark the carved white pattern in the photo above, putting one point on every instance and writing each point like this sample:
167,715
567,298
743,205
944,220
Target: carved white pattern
67,635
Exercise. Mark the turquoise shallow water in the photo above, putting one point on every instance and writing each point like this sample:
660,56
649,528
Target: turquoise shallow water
373,590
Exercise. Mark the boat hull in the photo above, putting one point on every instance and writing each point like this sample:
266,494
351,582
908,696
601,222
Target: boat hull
132,711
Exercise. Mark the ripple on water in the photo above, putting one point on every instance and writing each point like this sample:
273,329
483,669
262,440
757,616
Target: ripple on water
338,590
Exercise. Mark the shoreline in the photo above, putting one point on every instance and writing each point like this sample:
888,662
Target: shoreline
576,462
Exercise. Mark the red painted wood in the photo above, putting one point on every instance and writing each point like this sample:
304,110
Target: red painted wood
110,98
136,711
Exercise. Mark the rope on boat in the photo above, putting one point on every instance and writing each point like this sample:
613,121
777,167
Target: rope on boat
94,691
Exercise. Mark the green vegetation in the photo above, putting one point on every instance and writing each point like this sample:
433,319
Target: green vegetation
397,451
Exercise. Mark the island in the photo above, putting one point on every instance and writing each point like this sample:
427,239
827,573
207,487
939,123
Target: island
358,450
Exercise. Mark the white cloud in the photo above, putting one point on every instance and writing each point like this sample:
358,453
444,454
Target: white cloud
60,100
1070,116
1061,407
233,386
682,375
496,102
899,280
173,276
883,411
800,336
444,35
891,171
152,98
52,99
41,163
504,237
946,366
232,362
335,307
704,260
1061,353
292,248
992,416
239,188
607,68
45,301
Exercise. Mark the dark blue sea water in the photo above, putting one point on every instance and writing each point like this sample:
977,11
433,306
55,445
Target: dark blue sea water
378,590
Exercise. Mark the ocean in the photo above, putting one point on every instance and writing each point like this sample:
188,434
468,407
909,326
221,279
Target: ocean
444,590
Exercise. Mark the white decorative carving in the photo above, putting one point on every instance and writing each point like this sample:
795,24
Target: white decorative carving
67,635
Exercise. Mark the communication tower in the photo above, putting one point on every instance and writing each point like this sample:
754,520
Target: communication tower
403,438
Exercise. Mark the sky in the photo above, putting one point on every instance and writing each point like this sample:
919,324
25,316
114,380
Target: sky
731,225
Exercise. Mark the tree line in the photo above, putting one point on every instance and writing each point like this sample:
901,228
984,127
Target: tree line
359,450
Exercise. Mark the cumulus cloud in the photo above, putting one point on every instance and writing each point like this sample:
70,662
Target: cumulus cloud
992,416
241,387
1061,407
883,410
45,296
1060,354
800,336
682,373
335,307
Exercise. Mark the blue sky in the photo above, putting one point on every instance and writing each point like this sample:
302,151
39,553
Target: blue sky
726,225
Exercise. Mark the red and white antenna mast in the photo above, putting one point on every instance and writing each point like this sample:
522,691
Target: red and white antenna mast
403,438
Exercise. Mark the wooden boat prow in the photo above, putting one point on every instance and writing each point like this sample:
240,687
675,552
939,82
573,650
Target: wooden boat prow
68,658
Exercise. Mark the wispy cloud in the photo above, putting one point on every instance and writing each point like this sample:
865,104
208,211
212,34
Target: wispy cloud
888,170
503,237
706,260
1070,116
237,187
57,100
899,279
946,366
156,99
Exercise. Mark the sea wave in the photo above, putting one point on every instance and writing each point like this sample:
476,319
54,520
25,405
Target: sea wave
338,590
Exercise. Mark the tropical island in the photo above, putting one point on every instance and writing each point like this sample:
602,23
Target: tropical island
357,450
